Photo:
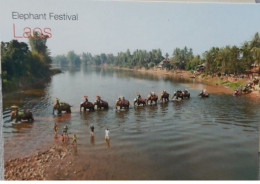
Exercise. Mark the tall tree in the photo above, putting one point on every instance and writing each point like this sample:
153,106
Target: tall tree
38,46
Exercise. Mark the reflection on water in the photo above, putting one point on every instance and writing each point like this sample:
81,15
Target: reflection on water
213,138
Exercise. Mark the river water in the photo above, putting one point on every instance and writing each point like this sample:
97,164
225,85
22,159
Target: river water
213,138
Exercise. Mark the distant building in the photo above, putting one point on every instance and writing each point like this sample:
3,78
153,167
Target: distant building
163,62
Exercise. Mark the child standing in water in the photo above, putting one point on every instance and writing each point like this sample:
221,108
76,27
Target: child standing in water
62,138
107,132
55,129
92,131
74,139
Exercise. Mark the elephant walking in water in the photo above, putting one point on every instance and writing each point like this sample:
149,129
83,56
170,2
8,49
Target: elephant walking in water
87,105
186,94
61,106
122,103
204,93
178,94
164,96
139,100
101,104
20,115
152,98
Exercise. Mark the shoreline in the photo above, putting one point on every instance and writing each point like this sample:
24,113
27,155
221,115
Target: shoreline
38,165
216,84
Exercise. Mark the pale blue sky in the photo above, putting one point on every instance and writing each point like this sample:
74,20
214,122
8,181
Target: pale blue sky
113,26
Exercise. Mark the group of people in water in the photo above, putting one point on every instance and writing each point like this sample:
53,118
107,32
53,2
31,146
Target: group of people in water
64,137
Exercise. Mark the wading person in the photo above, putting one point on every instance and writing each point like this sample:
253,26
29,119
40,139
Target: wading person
62,138
55,129
107,132
65,131
74,139
92,131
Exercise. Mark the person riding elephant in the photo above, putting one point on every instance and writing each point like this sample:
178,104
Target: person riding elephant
139,100
204,93
246,89
22,114
87,105
101,103
238,91
86,99
152,98
178,94
122,103
186,94
164,96
61,106
255,81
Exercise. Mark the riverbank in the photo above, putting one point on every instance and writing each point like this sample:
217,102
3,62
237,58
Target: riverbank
223,84
38,165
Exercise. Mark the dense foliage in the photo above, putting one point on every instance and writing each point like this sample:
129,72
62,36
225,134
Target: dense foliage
228,59
21,65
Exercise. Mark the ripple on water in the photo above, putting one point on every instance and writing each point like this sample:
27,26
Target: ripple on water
213,138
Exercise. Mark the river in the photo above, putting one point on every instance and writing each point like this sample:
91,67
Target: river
198,138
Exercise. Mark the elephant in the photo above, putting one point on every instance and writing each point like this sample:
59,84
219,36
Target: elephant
255,81
152,98
139,101
178,94
87,105
123,104
237,91
61,106
204,94
101,104
186,94
20,115
247,89
165,97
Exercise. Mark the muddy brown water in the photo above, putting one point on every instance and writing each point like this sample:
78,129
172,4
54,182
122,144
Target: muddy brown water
211,138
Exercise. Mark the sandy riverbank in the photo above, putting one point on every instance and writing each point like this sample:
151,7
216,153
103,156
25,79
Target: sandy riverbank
57,160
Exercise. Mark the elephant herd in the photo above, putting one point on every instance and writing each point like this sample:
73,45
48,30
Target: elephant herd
121,103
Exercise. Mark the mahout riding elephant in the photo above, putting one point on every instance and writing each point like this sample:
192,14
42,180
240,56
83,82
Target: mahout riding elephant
87,105
247,89
122,103
61,106
237,91
101,103
152,98
204,93
164,96
22,114
186,94
178,94
255,81
139,100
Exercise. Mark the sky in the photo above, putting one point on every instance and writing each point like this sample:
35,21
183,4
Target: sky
114,26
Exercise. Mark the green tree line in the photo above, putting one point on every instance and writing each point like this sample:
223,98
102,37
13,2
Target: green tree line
228,59
20,65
